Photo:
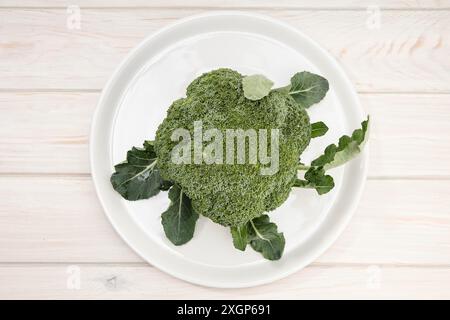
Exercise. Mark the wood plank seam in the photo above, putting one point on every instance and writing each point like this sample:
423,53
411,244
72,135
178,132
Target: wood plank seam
148,265
244,8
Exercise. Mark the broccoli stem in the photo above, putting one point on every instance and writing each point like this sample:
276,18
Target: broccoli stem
304,167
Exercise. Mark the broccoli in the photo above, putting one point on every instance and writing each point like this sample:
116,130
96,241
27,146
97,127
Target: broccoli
234,193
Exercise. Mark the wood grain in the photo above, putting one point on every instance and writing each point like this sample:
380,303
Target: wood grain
409,53
397,244
45,132
48,133
143,282
58,219
220,4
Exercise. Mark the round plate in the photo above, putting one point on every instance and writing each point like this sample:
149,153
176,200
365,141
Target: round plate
135,101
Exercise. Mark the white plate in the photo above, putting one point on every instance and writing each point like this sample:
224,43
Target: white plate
135,101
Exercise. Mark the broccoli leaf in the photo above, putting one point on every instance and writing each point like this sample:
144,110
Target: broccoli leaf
138,177
256,86
347,149
149,144
308,88
165,185
315,178
318,129
240,237
179,219
265,238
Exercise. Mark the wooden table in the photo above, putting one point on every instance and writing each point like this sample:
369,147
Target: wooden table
53,231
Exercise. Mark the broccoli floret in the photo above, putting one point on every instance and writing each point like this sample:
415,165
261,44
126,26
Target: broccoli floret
233,194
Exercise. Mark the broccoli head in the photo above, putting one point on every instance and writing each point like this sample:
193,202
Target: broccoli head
233,194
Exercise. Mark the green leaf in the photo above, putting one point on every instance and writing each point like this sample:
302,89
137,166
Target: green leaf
308,88
315,178
138,177
165,185
179,219
265,238
347,149
318,129
284,89
299,183
256,86
240,237
149,144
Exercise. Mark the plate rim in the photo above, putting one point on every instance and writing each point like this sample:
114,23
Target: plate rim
94,137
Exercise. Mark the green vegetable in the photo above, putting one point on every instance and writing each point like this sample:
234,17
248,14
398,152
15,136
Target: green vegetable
347,149
318,129
235,194
262,235
334,156
308,88
315,178
179,219
265,238
256,86
165,185
138,177
240,236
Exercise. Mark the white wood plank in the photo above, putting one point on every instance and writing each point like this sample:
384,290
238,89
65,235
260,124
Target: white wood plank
408,53
58,219
222,4
145,282
400,222
48,133
44,132
408,134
